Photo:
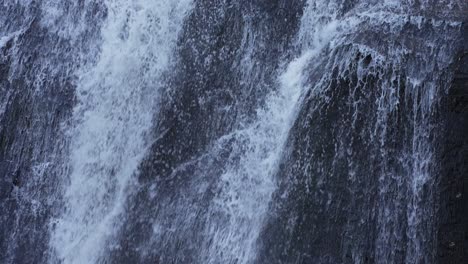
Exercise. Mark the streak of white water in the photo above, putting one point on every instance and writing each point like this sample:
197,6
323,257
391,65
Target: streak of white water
247,186
246,189
116,104
5,39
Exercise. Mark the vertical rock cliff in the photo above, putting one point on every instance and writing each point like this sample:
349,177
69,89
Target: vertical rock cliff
453,184
219,131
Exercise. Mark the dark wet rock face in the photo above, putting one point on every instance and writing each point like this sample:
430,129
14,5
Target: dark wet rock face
347,189
237,132
453,190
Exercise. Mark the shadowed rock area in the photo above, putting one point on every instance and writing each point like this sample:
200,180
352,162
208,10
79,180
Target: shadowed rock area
453,185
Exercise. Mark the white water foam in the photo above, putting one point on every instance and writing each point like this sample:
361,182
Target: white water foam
247,186
116,103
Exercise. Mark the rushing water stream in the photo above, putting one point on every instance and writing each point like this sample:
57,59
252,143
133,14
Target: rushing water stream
206,131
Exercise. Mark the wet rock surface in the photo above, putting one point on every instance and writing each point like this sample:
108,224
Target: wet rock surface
453,184
374,168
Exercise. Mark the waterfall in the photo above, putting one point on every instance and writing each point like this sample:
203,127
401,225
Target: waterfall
247,185
237,132
112,121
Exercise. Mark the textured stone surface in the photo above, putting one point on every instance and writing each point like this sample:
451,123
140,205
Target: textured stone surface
344,178
453,186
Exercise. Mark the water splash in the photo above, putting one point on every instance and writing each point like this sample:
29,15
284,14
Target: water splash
247,185
116,103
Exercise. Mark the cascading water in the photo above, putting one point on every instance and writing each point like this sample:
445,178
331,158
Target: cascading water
248,184
111,123
393,145
206,131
